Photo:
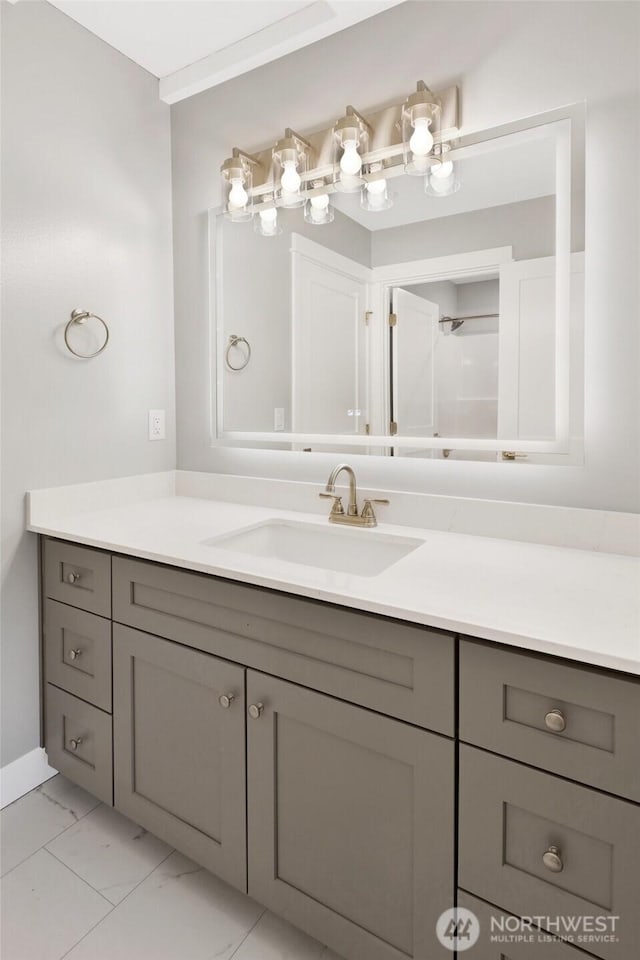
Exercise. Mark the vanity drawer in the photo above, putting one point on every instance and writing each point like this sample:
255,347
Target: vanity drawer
78,576
573,721
79,742
537,845
78,652
397,669
502,927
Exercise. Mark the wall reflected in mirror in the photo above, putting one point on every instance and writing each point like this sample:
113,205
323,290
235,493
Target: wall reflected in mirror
432,318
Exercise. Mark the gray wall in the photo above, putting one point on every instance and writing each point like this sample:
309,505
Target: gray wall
528,227
86,191
511,60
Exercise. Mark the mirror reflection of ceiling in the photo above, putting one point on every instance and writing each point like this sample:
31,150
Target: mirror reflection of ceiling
519,172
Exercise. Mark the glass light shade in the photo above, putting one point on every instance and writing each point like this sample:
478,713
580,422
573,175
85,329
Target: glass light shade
266,223
420,114
289,169
350,143
318,209
442,187
237,183
441,180
375,195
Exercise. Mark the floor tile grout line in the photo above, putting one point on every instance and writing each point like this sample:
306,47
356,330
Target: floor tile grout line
86,883
43,846
248,933
114,906
84,935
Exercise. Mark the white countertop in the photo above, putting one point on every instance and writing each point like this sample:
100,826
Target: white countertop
580,604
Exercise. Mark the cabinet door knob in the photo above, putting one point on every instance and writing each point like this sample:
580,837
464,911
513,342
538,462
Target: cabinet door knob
74,654
73,578
554,720
226,699
75,742
255,710
552,860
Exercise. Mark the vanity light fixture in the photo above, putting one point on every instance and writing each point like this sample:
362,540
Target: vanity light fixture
355,155
318,208
420,112
290,163
237,183
350,142
441,179
266,223
375,194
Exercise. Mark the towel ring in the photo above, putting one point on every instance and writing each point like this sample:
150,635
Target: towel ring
81,316
233,342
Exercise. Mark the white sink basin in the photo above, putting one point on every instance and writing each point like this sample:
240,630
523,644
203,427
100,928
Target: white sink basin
362,552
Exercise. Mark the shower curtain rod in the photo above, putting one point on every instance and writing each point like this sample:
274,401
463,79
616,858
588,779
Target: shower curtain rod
473,316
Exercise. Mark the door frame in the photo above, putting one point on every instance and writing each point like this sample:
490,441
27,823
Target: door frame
478,264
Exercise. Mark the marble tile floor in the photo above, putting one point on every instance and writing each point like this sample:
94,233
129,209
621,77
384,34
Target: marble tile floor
82,882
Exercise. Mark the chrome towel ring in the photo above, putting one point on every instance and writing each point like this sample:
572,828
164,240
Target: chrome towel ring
80,317
233,342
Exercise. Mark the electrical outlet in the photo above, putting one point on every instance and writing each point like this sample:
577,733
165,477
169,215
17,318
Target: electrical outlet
156,425
278,418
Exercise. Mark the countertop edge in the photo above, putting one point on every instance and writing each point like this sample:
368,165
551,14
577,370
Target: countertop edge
584,657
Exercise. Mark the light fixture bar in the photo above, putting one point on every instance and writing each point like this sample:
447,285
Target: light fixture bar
385,142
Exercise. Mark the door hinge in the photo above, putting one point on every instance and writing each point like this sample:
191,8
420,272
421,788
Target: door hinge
393,319
393,428
367,316
367,428
512,455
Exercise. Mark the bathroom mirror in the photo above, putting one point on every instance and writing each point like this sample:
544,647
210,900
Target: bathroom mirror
441,326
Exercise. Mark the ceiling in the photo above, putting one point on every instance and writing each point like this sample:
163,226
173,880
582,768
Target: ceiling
191,45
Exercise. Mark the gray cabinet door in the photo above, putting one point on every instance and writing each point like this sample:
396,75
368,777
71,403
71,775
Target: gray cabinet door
179,755
78,576
539,846
350,822
79,742
573,720
504,937
77,649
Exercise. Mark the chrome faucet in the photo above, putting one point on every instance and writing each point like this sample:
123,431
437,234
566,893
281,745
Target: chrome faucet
337,515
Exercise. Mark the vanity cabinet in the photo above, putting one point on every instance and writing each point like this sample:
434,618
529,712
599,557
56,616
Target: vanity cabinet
179,745
351,772
301,751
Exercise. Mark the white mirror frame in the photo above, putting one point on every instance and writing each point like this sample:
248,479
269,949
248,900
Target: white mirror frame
568,126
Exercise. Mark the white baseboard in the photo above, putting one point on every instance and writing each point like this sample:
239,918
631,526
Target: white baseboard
23,775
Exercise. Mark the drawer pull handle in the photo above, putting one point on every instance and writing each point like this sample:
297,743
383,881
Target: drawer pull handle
75,742
73,578
552,860
74,654
555,721
226,700
255,710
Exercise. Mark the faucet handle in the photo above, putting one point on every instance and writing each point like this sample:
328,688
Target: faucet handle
367,511
337,508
